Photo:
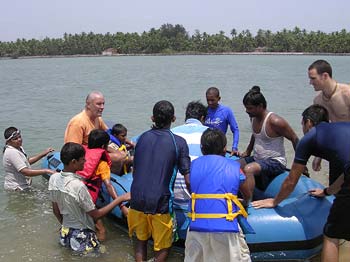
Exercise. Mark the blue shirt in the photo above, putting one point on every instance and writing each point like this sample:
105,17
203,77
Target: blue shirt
154,162
192,132
214,174
329,141
222,117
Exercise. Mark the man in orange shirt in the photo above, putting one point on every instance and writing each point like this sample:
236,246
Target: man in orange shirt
80,126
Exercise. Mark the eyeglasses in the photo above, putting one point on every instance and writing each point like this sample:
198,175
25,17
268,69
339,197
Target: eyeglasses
14,136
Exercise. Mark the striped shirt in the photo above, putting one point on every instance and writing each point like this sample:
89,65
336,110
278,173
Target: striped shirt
191,131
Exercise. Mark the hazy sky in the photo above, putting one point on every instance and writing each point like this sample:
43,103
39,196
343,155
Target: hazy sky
52,18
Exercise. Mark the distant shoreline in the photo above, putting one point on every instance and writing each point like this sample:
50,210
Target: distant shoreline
184,54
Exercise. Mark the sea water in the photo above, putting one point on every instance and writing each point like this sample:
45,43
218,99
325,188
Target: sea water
39,96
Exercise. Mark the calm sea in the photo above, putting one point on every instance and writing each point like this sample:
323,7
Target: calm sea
39,96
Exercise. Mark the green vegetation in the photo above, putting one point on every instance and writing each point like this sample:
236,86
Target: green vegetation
170,39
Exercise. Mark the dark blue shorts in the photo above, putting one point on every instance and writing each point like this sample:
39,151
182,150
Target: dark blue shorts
270,168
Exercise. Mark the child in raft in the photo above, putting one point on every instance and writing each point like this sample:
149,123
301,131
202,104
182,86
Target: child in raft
119,141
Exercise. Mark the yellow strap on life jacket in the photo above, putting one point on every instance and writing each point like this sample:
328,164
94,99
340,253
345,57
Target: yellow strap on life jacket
123,148
229,199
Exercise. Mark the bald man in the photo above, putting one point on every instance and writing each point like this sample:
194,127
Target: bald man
80,126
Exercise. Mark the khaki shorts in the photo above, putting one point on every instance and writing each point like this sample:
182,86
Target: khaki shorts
210,246
158,226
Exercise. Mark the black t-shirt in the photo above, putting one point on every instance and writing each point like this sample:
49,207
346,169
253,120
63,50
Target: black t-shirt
157,153
330,141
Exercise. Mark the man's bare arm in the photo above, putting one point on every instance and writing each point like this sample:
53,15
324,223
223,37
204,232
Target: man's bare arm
286,188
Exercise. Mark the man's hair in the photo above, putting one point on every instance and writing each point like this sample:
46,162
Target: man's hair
163,114
213,142
118,129
316,114
98,139
254,97
71,151
92,96
321,66
9,131
196,110
213,90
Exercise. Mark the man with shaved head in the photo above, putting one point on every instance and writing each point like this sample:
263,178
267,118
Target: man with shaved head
80,126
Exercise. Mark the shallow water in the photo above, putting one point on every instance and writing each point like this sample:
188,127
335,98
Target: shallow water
40,95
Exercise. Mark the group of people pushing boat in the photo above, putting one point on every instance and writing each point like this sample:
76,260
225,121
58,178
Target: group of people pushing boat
207,181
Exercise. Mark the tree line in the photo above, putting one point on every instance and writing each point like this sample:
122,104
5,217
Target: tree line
171,39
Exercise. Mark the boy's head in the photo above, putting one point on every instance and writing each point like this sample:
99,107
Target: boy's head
73,154
213,97
196,110
98,139
213,142
163,114
312,116
13,136
120,132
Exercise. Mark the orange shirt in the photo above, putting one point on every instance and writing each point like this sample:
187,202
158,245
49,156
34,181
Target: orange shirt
79,128
103,170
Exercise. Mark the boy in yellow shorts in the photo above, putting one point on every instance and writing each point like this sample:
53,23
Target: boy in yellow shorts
158,155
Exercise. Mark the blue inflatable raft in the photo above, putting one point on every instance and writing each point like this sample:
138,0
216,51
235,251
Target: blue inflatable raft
293,231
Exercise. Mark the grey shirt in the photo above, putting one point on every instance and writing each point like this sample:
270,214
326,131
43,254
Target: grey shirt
14,160
73,200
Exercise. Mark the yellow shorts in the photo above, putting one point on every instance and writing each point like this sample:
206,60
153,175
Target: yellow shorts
159,226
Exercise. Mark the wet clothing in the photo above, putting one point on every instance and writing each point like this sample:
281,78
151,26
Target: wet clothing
79,240
192,132
157,153
159,226
73,200
14,160
79,128
331,142
222,117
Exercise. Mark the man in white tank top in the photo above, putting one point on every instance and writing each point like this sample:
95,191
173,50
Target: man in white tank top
267,142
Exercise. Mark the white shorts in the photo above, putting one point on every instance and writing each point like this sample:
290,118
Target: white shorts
210,246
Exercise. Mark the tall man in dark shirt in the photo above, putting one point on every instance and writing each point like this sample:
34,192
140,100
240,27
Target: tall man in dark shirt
329,141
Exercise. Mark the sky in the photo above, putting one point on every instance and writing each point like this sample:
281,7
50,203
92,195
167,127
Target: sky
52,18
